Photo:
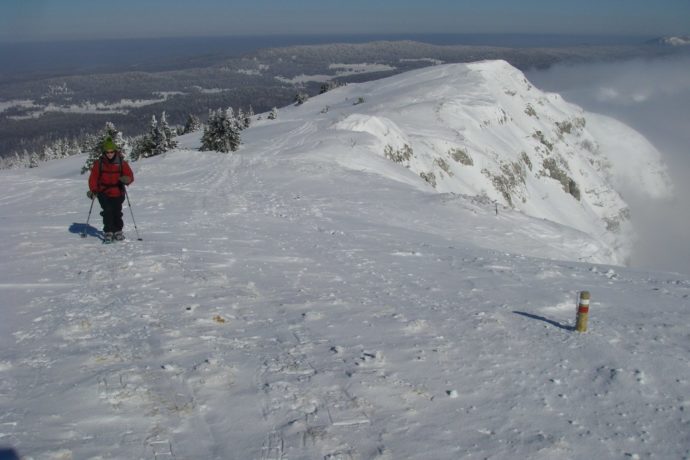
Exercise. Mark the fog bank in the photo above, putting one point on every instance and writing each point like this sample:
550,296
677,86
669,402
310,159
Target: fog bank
653,97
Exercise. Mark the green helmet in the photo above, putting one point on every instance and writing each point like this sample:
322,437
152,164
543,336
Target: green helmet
108,144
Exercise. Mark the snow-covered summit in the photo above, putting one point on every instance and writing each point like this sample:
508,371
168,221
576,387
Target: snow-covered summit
482,129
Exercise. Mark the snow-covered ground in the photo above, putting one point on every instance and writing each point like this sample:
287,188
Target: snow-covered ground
297,300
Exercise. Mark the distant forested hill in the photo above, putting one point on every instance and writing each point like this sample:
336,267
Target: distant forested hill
37,111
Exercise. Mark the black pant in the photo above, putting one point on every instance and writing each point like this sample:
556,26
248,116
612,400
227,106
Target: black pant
112,212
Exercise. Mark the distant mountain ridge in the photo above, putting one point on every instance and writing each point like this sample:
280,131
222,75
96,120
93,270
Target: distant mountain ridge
36,111
682,40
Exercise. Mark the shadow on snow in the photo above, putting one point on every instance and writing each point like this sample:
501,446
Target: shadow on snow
546,320
85,229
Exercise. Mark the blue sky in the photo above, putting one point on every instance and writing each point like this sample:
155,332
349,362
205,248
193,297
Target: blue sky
37,20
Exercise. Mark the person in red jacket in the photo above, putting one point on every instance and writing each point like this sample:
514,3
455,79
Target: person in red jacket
109,176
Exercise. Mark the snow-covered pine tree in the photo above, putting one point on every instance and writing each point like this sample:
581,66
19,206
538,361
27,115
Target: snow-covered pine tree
234,132
33,160
24,160
159,138
230,115
247,121
63,148
240,119
193,124
140,144
155,141
87,142
144,145
329,85
21,160
171,143
221,133
95,151
227,134
301,98
73,147
49,153
273,114
208,139
60,147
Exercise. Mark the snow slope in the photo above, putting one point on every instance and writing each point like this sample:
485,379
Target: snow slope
283,305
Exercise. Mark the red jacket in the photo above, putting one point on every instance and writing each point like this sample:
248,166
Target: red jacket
105,175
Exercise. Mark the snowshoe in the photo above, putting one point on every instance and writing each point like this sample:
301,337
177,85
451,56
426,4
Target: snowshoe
108,237
119,236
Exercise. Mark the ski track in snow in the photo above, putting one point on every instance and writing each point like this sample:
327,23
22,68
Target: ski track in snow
274,313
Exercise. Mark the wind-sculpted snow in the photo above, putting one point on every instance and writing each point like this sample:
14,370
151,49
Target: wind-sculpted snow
282,305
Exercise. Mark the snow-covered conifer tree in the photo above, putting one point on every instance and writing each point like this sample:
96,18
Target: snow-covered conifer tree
144,145
247,121
170,143
221,132
156,141
240,118
33,160
301,98
193,124
160,140
49,153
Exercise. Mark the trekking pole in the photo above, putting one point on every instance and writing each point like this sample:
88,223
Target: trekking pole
83,232
132,213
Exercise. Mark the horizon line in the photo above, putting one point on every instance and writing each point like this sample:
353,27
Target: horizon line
341,34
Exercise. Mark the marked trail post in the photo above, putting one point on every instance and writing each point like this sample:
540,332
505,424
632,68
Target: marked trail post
582,312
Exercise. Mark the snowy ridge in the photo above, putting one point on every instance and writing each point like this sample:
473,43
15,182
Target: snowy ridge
483,129
283,305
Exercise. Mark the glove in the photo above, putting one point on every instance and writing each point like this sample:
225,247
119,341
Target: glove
91,195
126,180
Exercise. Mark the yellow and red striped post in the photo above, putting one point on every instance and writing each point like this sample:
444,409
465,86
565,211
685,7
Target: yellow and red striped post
582,312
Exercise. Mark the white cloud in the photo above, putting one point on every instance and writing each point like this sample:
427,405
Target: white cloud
653,97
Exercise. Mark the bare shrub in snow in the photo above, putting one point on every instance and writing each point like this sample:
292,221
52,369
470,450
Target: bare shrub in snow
538,135
443,164
399,155
430,177
531,112
554,171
